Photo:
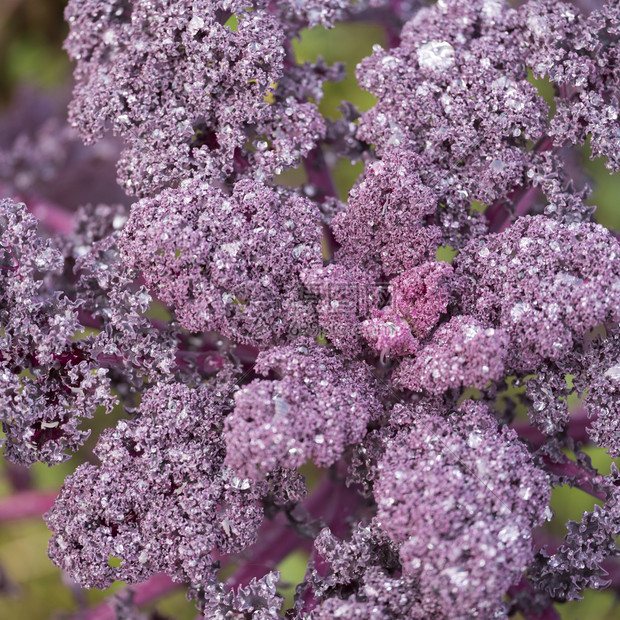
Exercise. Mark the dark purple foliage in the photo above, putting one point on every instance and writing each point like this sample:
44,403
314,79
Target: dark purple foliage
299,334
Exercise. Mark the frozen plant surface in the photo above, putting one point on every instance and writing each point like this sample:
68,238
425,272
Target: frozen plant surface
300,331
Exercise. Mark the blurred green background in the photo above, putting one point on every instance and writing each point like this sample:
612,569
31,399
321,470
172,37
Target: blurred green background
31,588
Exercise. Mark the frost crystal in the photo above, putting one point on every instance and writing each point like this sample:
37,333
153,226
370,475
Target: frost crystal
436,55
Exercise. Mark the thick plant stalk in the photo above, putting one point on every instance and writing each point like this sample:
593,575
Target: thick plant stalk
25,504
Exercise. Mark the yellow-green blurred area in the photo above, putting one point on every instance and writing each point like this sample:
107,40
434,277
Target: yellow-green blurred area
31,34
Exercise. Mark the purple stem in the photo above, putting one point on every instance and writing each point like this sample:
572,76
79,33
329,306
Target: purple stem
524,587
318,174
392,28
613,568
522,207
582,478
386,16
208,352
276,542
499,220
19,477
155,588
577,429
53,217
277,539
521,197
25,504
343,503
319,177
549,613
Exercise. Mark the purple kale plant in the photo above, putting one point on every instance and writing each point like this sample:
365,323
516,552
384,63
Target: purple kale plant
290,372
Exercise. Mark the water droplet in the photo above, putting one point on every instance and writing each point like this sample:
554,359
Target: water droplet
518,310
109,37
509,534
118,221
436,55
195,24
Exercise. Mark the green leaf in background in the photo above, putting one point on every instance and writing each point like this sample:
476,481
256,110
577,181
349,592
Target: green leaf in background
347,43
292,569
